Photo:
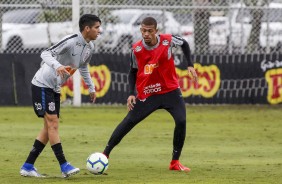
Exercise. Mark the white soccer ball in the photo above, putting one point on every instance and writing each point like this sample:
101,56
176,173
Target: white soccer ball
97,163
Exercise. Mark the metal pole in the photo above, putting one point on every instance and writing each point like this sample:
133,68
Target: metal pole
267,27
242,38
1,48
76,76
230,36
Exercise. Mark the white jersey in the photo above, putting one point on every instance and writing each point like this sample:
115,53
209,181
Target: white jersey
72,51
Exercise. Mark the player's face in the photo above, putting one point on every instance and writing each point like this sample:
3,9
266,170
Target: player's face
149,34
94,31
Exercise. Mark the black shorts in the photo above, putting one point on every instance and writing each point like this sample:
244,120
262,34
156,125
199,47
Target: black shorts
45,100
172,101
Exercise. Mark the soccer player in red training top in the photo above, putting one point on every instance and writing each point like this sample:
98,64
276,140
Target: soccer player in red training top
153,73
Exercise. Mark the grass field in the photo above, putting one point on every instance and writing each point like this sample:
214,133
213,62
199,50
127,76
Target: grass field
224,144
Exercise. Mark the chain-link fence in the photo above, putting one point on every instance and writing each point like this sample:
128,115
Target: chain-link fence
209,26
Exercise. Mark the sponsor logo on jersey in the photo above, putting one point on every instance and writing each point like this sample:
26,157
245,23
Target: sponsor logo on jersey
165,42
51,106
138,48
148,68
38,106
153,88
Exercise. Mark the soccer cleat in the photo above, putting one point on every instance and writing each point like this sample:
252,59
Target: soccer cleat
28,170
177,166
68,170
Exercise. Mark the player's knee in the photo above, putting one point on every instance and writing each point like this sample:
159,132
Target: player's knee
52,122
181,122
129,120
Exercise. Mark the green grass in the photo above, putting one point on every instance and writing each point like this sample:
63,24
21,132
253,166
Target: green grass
224,144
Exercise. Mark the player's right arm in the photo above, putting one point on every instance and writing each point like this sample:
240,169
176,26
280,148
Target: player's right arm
50,55
132,75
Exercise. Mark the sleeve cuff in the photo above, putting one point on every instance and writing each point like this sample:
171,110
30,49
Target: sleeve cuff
92,89
56,66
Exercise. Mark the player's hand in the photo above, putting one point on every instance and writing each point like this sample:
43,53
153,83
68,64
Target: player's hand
92,97
192,71
62,71
131,100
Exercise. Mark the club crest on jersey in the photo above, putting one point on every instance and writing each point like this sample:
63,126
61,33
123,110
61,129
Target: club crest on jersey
138,48
165,42
51,106
38,106
78,44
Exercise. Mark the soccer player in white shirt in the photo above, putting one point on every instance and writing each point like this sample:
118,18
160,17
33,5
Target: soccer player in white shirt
59,62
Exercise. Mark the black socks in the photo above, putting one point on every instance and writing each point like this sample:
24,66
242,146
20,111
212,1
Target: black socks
35,151
58,150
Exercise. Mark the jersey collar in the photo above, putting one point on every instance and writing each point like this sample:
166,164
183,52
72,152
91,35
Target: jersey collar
81,39
147,47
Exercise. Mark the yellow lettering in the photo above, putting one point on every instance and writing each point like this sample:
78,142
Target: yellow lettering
274,81
208,83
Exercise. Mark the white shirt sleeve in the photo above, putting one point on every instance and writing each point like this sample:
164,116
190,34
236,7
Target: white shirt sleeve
84,72
49,56
177,41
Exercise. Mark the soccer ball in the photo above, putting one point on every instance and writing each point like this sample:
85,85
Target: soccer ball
97,163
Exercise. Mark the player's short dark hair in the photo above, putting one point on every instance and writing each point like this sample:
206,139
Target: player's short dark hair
149,21
88,20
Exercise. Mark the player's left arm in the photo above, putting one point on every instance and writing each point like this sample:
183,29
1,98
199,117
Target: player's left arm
84,72
179,41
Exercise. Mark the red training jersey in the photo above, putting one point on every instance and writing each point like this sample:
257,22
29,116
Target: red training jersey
156,71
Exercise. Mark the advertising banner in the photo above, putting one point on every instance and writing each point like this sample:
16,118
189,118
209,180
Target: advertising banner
223,79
